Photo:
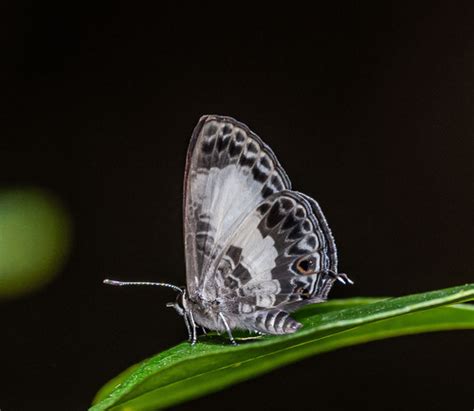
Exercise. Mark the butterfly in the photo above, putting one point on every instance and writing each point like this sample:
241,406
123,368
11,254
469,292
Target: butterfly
255,249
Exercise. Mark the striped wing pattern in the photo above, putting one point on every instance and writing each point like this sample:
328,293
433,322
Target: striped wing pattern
251,242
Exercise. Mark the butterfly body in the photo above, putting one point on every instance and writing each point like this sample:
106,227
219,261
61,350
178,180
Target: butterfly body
255,249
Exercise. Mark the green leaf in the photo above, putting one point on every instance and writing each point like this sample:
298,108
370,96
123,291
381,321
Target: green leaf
185,372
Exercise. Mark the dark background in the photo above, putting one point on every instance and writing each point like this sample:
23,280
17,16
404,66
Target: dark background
369,109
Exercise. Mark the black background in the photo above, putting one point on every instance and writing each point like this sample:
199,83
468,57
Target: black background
369,109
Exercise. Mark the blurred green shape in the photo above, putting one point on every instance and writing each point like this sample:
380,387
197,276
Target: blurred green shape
35,237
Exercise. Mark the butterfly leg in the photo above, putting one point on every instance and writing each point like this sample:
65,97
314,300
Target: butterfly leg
341,277
193,328
345,277
227,328
188,327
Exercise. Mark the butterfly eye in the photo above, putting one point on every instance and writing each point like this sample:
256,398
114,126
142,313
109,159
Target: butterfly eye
306,265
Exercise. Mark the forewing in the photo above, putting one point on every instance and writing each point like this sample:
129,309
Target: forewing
229,171
281,257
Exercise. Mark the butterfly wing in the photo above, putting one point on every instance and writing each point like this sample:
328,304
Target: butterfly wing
282,256
229,171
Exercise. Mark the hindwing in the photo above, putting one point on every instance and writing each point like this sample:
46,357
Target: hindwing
281,256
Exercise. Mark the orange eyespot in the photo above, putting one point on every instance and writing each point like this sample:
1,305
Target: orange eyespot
305,265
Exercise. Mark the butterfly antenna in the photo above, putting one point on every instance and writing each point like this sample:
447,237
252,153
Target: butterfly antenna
124,283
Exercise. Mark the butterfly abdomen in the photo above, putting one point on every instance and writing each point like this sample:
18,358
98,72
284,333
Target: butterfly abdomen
275,322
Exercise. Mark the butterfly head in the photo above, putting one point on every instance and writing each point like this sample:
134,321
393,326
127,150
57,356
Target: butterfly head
180,305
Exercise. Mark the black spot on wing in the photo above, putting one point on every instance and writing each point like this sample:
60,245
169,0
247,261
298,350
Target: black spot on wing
277,183
286,204
267,191
234,253
239,136
259,175
275,215
234,149
202,242
306,226
263,208
246,161
208,145
265,162
242,274
222,143
203,226
290,221
227,129
311,241
300,213
252,147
